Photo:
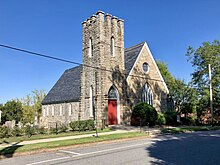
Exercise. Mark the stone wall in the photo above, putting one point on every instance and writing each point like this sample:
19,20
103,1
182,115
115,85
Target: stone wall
59,114
152,77
101,28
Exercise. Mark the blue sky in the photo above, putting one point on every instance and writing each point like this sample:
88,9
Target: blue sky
53,27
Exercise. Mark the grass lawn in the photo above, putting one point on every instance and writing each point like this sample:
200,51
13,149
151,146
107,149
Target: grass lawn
47,135
189,129
55,144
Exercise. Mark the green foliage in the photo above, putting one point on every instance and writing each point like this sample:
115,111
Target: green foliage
188,120
182,94
12,110
82,125
171,117
74,125
90,124
40,130
160,118
208,53
4,132
16,131
146,113
32,105
29,130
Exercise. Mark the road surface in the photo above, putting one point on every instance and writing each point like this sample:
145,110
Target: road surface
181,149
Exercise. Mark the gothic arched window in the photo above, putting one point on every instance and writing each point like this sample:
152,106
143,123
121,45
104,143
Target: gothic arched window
90,47
112,46
147,96
112,93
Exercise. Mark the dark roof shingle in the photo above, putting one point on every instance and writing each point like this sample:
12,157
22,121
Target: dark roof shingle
67,88
131,55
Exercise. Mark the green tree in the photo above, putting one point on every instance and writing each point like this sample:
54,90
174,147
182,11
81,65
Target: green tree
12,110
183,95
208,53
38,96
27,110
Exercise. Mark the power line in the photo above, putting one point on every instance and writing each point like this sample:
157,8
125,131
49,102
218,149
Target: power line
76,63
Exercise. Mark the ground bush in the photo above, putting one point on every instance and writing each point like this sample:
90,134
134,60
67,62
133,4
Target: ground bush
4,132
40,130
82,125
16,131
143,114
29,130
90,124
188,120
171,117
74,125
160,119
63,128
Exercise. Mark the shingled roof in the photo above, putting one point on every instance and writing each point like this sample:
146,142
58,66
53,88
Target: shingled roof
131,55
67,88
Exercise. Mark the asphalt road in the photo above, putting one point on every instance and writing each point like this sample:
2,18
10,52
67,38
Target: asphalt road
181,149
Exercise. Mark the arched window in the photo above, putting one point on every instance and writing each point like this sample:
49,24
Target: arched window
112,93
91,102
112,46
90,47
147,96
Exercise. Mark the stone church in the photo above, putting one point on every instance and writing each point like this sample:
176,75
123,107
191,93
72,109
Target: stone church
110,81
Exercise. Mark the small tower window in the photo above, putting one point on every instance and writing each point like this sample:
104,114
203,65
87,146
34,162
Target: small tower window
90,47
112,46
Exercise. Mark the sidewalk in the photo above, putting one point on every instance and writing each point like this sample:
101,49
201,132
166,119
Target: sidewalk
116,130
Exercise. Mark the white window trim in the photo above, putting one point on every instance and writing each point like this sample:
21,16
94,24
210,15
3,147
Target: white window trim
61,110
52,113
70,109
47,110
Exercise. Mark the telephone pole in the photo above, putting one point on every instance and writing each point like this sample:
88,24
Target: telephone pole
210,89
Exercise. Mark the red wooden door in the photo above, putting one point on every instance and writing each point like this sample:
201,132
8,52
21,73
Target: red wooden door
112,112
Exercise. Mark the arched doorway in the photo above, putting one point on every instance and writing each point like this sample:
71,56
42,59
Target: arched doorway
113,106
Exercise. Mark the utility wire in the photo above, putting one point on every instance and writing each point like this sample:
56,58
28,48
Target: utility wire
75,63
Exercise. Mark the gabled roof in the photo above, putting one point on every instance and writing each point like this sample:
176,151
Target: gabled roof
131,55
67,88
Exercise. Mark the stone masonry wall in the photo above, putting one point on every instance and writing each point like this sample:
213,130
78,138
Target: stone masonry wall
59,114
136,84
101,28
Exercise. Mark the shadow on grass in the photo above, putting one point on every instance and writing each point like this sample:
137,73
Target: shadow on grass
9,151
188,148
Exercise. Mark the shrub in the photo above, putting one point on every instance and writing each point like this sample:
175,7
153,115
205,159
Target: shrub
63,128
16,131
145,112
82,125
4,132
188,120
160,118
170,117
74,125
40,130
90,124
29,130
